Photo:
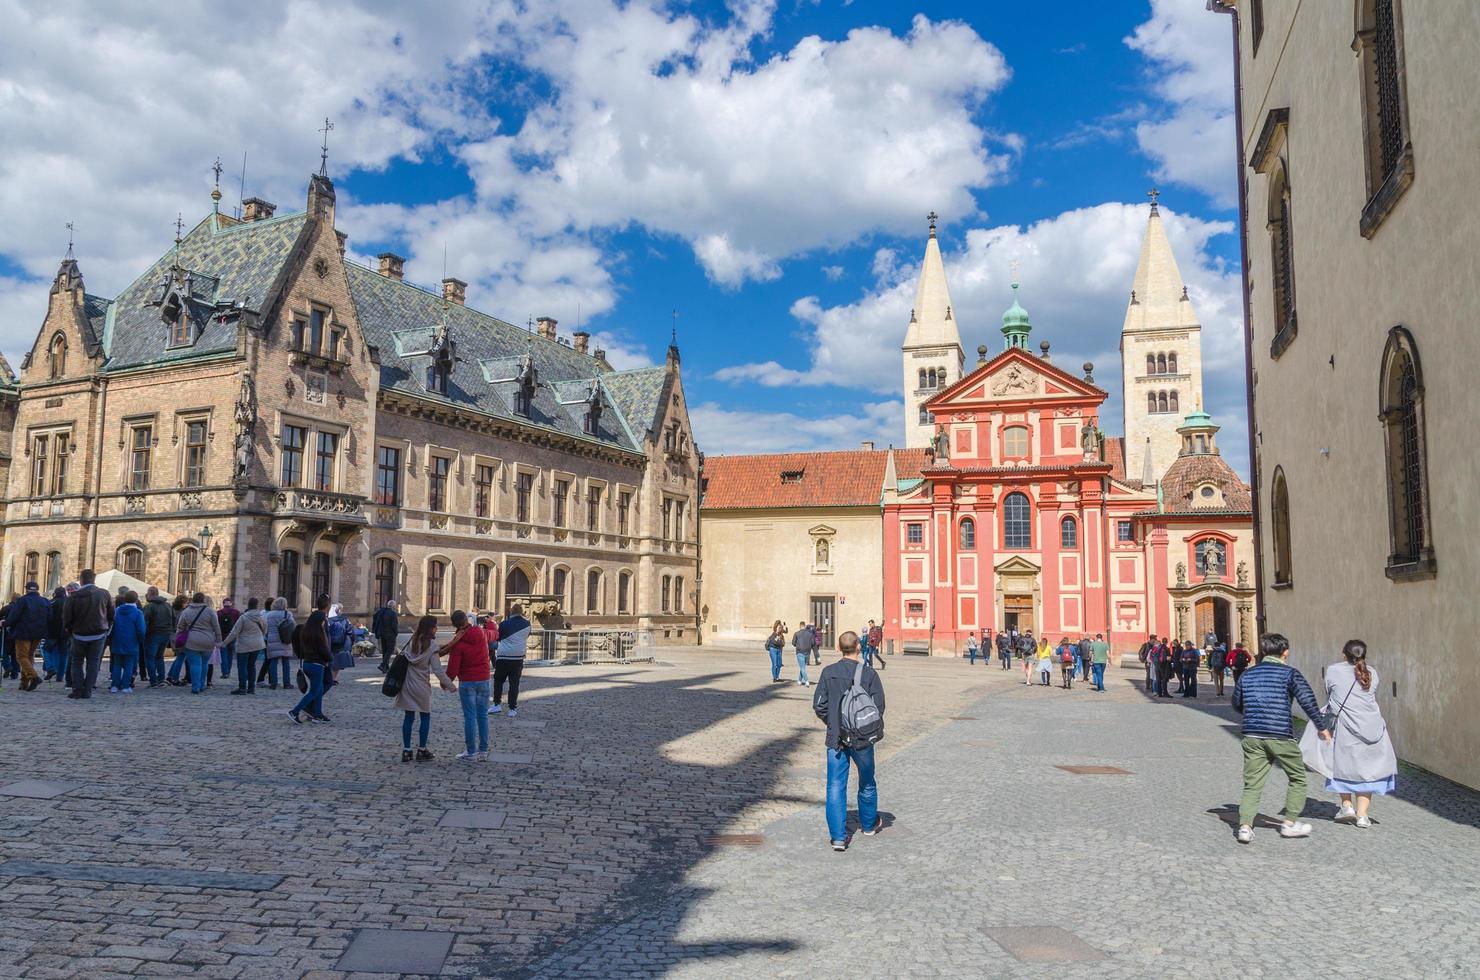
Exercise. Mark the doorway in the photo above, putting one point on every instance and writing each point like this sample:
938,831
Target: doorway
823,614
1212,617
1017,613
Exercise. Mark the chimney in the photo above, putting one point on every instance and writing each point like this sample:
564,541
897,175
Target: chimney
256,209
454,290
601,361
583,339
868,445
546,327
392,266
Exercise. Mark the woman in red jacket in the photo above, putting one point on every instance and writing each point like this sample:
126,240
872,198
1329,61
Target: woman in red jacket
468,664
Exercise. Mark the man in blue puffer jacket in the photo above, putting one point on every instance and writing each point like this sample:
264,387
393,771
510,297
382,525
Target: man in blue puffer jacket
1263,695
26,621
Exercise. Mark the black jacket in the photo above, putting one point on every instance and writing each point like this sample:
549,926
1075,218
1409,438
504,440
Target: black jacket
89,612
159,618
55,631
312,639
386,623
27,617
834,682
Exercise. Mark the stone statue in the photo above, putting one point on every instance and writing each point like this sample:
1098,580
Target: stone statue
246,425
1214,562
1087,440
1243,574
1181,573
942,444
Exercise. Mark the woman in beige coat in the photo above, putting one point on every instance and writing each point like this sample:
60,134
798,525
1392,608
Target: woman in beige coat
416,692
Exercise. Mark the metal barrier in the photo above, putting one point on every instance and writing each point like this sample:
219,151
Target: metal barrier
590,646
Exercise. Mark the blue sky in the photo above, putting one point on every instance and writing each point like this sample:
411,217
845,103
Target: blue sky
763,167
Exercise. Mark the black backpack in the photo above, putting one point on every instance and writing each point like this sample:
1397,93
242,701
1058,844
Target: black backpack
395,675
860,723
286,628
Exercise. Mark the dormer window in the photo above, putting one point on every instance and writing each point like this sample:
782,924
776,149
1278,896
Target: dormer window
791,476
437,373
56,357
180,330
591,424
524,394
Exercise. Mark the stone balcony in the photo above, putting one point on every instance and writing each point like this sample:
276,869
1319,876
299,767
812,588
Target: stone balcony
320,505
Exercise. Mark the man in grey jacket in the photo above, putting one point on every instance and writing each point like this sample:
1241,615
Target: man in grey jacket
827,704
805,640
87,618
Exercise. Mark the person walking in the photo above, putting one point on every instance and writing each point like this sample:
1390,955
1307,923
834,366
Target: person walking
159,624
1218,667
248,637
1191,663
126,639
415,696
1028,651
341,640
201,631
1004,649
1263,696
54,653
971,650
1238,661
802,677
774,645
1043,662
27,620
843,750
1363,762
280,627
88,618
467,663
227,616
508,663
1067,653
385,626
804,639
1099,655
875,641
311,644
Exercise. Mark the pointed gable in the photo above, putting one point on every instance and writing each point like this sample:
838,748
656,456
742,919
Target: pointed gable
1015,375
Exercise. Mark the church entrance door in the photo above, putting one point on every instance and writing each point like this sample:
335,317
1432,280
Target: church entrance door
1017,613
1212,616
823,613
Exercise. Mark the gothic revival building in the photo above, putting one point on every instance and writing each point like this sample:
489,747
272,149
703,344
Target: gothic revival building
256,415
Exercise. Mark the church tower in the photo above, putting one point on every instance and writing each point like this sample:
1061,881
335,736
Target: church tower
1160,357
933,359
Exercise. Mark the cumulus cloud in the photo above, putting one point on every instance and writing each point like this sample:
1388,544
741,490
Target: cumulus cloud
721,430
1190,55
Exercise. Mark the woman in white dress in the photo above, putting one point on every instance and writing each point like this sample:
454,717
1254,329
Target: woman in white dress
1362,757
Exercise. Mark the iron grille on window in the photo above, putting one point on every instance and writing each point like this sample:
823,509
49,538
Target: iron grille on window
1284,268
1389,110
1411,520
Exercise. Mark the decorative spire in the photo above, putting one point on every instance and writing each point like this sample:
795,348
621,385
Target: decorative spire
932,320
70,256
1148,475
932,217
216,191
324,148
1015,324
1153,194
179,228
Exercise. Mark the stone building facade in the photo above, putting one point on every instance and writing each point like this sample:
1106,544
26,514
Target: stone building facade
1360,153
256,415
932,356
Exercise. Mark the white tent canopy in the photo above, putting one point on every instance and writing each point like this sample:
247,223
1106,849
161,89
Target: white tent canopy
111,581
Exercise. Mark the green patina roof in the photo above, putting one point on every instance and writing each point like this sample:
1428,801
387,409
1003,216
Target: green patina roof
1015,323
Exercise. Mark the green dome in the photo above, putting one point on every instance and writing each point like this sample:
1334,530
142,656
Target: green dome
1197,419
1015,323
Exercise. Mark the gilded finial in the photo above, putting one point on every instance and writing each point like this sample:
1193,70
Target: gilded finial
216,191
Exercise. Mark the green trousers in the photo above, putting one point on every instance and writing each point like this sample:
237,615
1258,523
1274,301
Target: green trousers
1259,755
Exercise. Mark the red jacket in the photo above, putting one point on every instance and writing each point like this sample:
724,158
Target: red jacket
467,656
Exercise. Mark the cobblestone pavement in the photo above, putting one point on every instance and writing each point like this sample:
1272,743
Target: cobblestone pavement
994,860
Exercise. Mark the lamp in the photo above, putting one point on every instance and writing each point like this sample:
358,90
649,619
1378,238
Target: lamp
204,536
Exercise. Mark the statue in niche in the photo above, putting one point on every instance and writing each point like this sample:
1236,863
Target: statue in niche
246,425
1181,573
1243,574
942,444
1087,440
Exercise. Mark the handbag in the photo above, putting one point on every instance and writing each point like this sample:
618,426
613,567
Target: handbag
395,674
182,637
1317,752
1328,720
302,680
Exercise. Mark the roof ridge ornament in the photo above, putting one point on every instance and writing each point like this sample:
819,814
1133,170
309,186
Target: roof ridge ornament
69,256
324,148
216,191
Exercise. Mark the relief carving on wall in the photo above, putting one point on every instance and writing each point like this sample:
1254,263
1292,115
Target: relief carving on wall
1015,381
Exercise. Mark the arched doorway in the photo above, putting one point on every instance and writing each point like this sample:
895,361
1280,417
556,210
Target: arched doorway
517,584
1212,615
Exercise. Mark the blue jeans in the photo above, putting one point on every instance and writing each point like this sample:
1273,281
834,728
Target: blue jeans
54,657
246,672
775,653
226,653
176,666
1099,670
838,763
124,665
314,699
273,663
474,698
426,728
802,677
868,654
197,660
154,657
971,655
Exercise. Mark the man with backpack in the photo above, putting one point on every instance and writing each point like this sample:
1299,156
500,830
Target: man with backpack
1004,649
1218,666
850,699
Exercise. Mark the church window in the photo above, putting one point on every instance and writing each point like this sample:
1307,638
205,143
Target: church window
1125,532
1280,522
968,534
1172,363
1161,401
921,385
1210,552
1389,153
1402,416
1172,400
1202,443
1282,262
59,448
1017,521
1150,401
924,416
56,357
1015,441
40,450
915,533
1161,364
1068,533
1150,363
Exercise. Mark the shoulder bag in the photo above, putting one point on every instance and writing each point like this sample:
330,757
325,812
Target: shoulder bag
182,637
395,675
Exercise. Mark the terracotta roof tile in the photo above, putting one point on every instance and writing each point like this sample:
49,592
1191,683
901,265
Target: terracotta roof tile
1187,472
1115,456
852,478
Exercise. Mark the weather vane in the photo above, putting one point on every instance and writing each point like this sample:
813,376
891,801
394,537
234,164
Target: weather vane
324,148
179,226
673,339
69,240
1153,194
216,191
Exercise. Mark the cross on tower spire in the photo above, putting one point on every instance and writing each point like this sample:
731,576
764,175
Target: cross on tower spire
69,240
324,148
1153,194
673,337
932,217
179,227
216,191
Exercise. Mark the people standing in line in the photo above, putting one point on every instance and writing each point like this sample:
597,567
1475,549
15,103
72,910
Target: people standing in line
1238,661
159,624
415,696
1264,696
774,645
1067,653
385,626
179,664
126,639
804,639
1163,655
1218,667
27,620
467,663
88,618
1004,649
279,650
827,704
227,616
1363,762
311,644
202,632
1099,655
1191,663
875,641
54,653
508,662
248,637
1145,656
1045,662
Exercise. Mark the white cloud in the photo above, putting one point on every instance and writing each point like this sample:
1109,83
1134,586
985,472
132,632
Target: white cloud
720,430
621,352
833,272
1190,52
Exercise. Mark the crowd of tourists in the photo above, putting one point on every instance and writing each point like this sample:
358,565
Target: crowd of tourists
80,622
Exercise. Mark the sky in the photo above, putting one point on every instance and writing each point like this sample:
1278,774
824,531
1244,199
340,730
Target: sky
754,173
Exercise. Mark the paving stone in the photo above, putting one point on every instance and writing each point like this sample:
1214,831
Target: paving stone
37,789
141,875
1043,944
396,951
473,819
511,758
292,782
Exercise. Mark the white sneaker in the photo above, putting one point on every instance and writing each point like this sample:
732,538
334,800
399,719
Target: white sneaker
1246,835
494,709
1365,823
1346,815
112,690
128,690
513,712
468,756
1296,829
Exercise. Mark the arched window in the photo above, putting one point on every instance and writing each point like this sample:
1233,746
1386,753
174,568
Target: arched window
56,357
1402,406
593,592
924,416
516,583
1173,401
320,575
968,534
923,379
33,567
1150,363
1017,521
1172,363
187,561
1150,401
624,592
131,561
667,594
1210,554
288,577
1161,401
1279,510
559,585
436,584
53,571
482,575
678,593
1068,533
1282,261
1015,441
1388,151
1161,364
385,581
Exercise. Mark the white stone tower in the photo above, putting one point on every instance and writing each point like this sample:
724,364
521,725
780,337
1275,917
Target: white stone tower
933,359
1160,357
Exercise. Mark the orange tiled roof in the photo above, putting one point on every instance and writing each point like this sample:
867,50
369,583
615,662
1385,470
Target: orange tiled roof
1115,456
851,478
1187,472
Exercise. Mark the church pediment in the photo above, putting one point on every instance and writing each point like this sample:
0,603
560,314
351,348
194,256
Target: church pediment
1017,565
1014,375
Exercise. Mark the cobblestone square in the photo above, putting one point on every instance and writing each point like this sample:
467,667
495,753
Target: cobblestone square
621,847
